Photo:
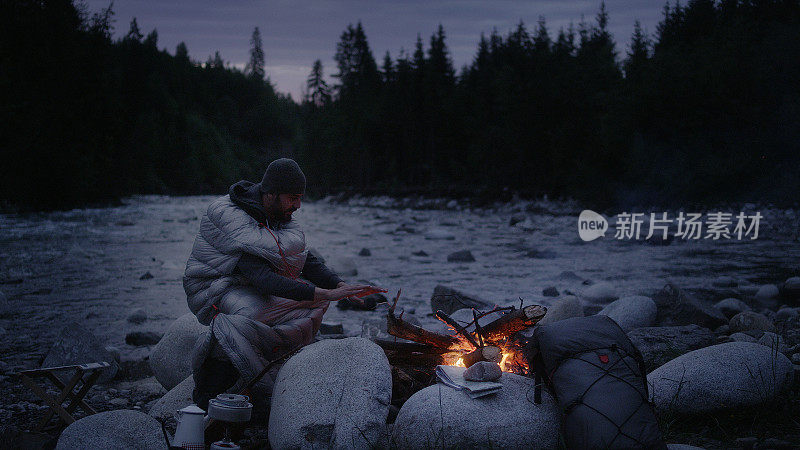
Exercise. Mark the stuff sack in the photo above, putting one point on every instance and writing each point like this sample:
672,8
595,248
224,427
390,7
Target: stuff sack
599,380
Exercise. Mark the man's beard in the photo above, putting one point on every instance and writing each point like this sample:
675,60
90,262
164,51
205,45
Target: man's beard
274,212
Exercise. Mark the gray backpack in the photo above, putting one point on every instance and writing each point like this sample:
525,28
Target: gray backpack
598,377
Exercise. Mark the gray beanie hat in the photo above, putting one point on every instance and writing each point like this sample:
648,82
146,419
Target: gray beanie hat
283,176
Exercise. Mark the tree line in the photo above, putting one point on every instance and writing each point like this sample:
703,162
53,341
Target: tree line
89,119
703,109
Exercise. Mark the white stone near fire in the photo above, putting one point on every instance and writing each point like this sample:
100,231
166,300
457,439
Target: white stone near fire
441,417
332,394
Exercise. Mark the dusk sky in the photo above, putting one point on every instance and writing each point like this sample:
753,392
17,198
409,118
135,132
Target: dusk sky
297,32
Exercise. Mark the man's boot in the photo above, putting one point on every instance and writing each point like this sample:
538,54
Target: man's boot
214,377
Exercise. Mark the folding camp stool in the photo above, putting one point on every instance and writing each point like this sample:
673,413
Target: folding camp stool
85,374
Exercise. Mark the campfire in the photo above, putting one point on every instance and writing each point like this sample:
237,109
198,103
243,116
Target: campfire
498,341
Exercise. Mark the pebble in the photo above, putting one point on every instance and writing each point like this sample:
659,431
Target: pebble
365,252
550,291
146,276
461,256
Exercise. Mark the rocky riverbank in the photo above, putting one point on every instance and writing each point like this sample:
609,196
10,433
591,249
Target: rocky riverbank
116,273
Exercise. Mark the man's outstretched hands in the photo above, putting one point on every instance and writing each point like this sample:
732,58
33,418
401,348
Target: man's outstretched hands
344,290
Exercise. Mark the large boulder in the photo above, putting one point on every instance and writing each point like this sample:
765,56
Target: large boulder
676,307
661,344
441,417
178,397
632,312
749,321
171,358
563,308
730,375
121,429
77,345
450,300
601,292
332,394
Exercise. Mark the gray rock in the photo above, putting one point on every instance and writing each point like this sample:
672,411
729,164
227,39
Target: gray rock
121,429
461,256
785,314
767,291
731,306
563,308
724,281
661,344
773,341
731,375
676,307
137,316
550,291
450,300
147,387
796,358
142,338
365,252
749,320
741,337
146,276
171,358
178,397
441,417
791,288
601,292
632,312
483,371
76,345
332,394
343,266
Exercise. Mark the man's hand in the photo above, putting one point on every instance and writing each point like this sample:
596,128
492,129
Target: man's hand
344,290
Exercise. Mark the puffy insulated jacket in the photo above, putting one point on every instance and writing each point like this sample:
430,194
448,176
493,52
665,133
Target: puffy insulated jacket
226,233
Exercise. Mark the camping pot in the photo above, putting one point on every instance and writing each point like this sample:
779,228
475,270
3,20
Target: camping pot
191,429
230,408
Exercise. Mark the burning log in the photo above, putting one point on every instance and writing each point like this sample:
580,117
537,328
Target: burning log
512,323
441,315
489,353
396,326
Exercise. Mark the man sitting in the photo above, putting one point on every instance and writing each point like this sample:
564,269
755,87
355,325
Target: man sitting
242,278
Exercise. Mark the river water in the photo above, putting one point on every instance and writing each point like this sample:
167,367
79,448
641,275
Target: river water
85,265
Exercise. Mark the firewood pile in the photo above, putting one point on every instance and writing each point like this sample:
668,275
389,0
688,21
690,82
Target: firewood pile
414,363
